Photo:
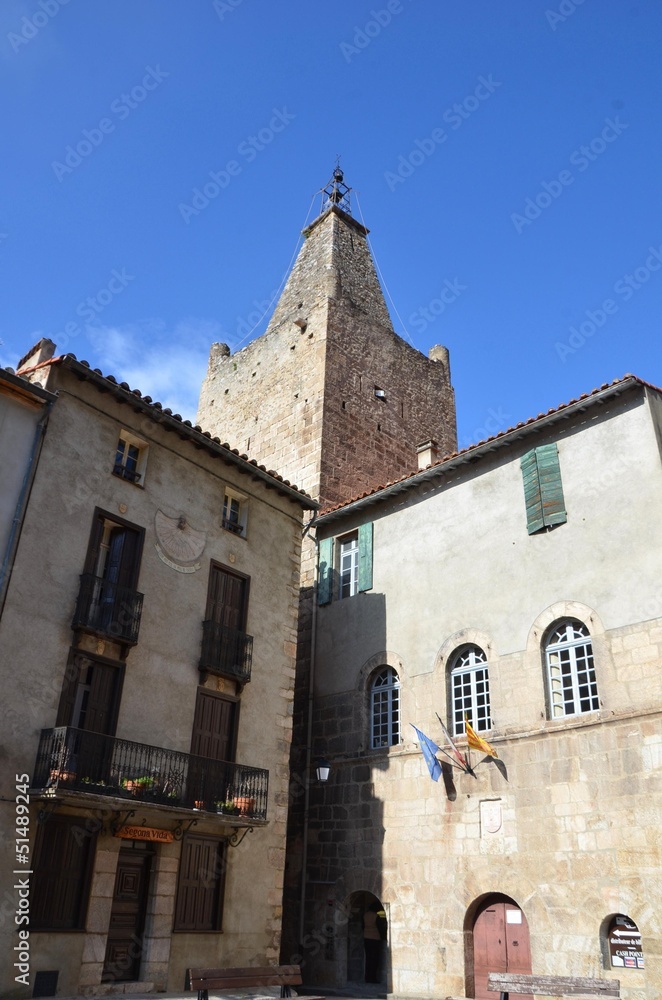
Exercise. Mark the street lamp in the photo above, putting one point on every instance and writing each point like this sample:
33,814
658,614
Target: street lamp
322,770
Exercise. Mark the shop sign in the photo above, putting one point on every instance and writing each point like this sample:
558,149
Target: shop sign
625,944
146,833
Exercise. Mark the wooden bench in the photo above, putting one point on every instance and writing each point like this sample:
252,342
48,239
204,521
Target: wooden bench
284,976
552,986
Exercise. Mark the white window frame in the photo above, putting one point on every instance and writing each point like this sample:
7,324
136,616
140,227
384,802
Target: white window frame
348,565
570,668
384,709
470,690
127,439
233,498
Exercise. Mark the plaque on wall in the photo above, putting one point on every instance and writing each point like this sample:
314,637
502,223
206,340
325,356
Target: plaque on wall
625,946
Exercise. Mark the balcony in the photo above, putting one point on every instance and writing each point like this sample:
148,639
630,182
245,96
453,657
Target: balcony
107,609
226,652
78,762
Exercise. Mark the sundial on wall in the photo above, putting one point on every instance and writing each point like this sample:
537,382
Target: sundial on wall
178,544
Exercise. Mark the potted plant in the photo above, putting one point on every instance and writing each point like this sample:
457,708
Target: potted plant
138,786
228,808
244,801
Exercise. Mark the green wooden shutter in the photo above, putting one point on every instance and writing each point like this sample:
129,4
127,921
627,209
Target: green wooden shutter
543,490
325,574
532,498
551,488
365,556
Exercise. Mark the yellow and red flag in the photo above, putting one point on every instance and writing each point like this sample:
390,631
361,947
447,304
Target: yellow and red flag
477,742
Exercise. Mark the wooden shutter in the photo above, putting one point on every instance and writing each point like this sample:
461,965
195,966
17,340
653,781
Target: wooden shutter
226,599
78,663
325,584
551,488
365,556
532,498
200,885
60,884
543,490
102,704
214,726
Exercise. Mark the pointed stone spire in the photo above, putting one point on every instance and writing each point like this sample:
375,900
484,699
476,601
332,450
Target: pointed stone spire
334,263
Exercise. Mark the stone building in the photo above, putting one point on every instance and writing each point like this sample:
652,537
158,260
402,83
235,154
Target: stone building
337,401
515,584
150,617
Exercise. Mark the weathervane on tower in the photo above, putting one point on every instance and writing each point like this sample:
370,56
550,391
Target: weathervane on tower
336,191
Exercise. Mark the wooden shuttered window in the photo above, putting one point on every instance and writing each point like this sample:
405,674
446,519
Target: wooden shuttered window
327,572
365,556
543,489
60,887
200,888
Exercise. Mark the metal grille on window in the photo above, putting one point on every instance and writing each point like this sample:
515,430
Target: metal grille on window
385,708
470,685
573,687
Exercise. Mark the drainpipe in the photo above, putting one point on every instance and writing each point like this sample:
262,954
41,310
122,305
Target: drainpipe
309,742
19,513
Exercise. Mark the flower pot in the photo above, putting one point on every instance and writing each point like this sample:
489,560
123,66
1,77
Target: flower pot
244,804
62,777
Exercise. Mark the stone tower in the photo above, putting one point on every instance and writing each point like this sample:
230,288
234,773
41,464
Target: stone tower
334,400
330,396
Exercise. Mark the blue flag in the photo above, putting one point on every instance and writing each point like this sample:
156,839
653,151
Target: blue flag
429,749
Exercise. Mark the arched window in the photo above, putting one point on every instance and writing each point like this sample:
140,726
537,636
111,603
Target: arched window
470,690
385,708
571,679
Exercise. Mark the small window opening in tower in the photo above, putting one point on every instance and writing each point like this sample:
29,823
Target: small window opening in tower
380,394
344,405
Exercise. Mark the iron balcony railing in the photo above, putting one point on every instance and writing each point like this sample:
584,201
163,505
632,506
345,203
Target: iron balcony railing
226,651
107,609
78,761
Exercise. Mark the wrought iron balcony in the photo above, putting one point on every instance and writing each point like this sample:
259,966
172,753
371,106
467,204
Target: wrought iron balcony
226,651
77,761
107,609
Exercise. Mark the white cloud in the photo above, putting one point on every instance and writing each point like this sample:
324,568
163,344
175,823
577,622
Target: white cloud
168,365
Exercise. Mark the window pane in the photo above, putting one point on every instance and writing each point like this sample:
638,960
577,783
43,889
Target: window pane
385,709
571,676
470,690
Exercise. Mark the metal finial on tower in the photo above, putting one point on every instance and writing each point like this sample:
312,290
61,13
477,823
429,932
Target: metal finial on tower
336,191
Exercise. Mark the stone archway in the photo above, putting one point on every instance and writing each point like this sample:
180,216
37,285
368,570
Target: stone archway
499,942
356,906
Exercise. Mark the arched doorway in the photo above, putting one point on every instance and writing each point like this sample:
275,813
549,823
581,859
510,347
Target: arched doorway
358,905
500,942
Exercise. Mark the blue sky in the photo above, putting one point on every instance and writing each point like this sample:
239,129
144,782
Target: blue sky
505,157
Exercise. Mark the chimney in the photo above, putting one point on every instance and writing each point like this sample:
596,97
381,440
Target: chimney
42,351
427,453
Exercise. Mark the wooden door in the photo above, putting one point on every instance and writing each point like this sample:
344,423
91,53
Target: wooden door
214,737
226,601
125,945
501,944
214,726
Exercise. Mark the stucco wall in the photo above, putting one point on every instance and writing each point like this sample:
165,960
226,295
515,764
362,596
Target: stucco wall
161,674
